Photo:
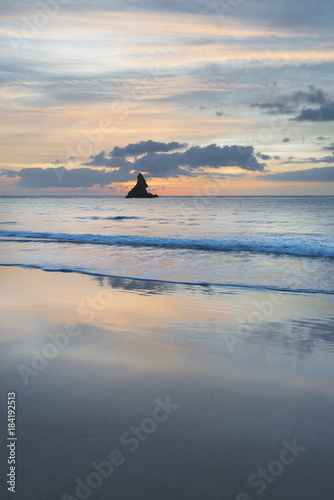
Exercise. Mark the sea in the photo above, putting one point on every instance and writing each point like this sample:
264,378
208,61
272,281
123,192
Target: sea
265,243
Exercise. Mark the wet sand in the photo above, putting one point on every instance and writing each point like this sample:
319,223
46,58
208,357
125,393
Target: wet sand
142,390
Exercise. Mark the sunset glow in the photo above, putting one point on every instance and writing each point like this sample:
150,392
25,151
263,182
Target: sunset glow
82,78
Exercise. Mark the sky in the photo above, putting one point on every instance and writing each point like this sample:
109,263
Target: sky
202,97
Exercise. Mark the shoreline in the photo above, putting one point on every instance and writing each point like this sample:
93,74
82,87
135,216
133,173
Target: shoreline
255,288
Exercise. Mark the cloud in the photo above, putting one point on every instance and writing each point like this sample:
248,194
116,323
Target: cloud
324,174
263,156
175,164
275,108
323,159
288,104
190,163
61,177
97,160
308,140
143,147
323,114
8,173
209,156
330,147
313,96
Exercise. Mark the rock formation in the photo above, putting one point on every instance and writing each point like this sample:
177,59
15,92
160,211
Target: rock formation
139,191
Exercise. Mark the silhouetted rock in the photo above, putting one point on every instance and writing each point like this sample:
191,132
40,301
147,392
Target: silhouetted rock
139,191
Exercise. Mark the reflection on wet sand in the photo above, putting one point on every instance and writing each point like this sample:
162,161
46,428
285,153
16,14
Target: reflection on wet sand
103,351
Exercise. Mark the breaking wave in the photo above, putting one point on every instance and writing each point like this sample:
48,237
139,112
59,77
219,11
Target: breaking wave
274,244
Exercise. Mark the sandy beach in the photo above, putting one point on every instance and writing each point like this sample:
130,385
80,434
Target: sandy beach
140,390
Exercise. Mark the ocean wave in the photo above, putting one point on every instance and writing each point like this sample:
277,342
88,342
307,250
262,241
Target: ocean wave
116,217
231,286
270,245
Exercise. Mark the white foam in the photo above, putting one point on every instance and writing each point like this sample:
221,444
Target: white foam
274,244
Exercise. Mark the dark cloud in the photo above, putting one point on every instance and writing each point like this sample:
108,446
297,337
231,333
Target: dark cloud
288,104
263,156
97,160
122,168
286,139
313,96
330,147
275,108
162,165
324,159
323,114
8,173
324,174
175,164
62,177
209,156
143,147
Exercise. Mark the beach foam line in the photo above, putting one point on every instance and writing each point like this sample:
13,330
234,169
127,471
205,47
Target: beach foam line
273,244
232,286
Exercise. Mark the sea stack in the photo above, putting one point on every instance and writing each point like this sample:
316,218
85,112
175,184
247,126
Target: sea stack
139,191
